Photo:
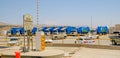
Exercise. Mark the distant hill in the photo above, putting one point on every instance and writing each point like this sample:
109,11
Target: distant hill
2,24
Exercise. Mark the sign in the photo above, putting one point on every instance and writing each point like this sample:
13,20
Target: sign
28,22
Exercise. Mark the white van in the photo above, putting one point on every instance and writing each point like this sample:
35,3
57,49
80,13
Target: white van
13,41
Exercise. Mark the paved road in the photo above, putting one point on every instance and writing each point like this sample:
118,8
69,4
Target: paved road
96,53
72,41
82,52
69,40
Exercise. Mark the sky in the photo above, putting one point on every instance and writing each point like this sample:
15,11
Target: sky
62,12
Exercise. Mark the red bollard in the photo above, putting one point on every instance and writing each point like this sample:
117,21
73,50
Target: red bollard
17,54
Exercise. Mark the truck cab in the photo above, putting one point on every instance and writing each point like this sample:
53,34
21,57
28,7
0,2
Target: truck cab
58,33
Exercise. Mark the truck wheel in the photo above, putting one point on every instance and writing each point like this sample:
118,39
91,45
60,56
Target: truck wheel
53,39
114,43
56,38
64,37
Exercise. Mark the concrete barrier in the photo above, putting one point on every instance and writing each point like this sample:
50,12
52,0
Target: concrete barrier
49,53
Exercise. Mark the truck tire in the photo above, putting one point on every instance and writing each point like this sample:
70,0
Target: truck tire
65,37
56,37
113,42
53,38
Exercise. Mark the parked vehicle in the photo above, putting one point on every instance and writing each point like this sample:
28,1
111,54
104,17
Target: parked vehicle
115,38
84,40
55,34
48,41
34,30
14,41
102,30
15,31
71,31
22,31
92,36
83,30
46,30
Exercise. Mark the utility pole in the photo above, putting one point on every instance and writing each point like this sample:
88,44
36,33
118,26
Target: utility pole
38,35
37,14
91,22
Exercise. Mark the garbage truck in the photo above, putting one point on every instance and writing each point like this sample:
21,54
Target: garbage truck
83,30
102,30
71,31
58,33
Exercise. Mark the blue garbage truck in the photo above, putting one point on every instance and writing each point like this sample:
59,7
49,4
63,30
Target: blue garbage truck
71,31
83,30
54,30
62,32
34,30
102,30
46,30
22,31
62,29
15,31
57,32
54,33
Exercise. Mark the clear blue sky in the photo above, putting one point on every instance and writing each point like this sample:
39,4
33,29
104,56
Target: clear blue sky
62,12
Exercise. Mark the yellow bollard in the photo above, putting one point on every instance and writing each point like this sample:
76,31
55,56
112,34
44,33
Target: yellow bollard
42,42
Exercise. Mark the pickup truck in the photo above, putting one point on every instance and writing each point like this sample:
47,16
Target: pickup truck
115,38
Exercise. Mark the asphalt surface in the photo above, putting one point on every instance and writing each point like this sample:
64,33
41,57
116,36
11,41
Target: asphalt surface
96,53
82,52
104,40
71,40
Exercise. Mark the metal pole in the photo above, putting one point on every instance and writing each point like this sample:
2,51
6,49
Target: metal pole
78,41
91,22
24,48
28,39
37,13
98,41
32,43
